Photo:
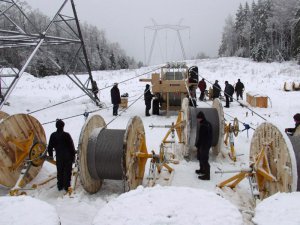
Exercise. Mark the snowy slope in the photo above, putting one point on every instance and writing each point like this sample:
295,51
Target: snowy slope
263,78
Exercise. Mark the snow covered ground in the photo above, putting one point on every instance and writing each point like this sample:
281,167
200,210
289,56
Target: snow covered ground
262,78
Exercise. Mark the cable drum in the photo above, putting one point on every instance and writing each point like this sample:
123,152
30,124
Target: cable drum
214,115
105,152
111,154
283,157
295,140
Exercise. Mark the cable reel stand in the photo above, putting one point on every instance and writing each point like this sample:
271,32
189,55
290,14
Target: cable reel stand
231,131
274,163
22,149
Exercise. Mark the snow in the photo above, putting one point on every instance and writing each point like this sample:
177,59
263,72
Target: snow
25,210
81,208
281,208
163,205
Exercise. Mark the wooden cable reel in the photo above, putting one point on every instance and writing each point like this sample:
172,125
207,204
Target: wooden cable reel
283,156
214,115
22,139
3,115
111,154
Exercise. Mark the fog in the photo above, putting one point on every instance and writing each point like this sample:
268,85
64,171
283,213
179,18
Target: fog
124,21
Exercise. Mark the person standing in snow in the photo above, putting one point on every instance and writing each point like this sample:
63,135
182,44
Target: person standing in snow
148,98
228,92
203,144
294,131
239,88
202,87
115,98
216,90
63,145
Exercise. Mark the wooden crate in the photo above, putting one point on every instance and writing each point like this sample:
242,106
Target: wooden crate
257,100
124,102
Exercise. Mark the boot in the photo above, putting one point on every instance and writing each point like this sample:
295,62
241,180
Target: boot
199,172
204,177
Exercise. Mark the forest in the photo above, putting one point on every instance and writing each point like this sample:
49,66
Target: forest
102,54
268,30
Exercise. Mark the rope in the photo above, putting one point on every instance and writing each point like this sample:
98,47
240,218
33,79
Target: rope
55,104
134,101
86,113
247,126
38,110
235,99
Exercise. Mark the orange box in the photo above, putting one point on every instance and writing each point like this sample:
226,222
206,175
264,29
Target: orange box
257,100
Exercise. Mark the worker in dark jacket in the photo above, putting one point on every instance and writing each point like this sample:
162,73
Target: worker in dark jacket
148,98
228,92
216,90
239,88
63,145
203,144
291,131
115,98
202,87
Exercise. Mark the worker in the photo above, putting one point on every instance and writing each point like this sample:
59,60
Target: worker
115,98
148,98
239,89
156,104
63,145
202,87
216,90
203,144
228,92
294,131
95,89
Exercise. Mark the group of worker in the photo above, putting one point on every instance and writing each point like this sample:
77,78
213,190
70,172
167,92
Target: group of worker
148,96
228,91
62,142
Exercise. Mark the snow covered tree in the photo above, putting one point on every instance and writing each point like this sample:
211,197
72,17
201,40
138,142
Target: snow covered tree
229,38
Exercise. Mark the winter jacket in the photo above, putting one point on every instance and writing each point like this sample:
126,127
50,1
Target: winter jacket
202,85
216,90
115,95
148,96
229,90
204,138
63,144
291,131
239,87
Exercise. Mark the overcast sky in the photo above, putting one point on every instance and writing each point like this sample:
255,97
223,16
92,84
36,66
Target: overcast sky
124,22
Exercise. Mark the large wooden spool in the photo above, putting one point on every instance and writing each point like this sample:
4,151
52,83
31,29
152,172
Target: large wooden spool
111,154
19,133
283,158
214,115
3,115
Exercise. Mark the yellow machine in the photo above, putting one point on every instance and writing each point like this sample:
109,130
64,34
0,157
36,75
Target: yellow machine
175,82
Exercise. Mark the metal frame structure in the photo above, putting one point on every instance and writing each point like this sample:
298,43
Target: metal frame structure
17,38
156,28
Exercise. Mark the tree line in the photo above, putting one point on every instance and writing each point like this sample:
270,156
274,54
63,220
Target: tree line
268,31
102,54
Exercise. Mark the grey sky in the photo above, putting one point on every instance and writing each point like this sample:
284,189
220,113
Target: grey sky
124,22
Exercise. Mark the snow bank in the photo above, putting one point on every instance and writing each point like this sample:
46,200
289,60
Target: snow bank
281,208
24,210
168,205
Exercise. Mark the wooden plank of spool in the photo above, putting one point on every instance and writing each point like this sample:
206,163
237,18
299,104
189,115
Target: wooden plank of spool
218,106
134,142
281,159
89,184
3,115
15,128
